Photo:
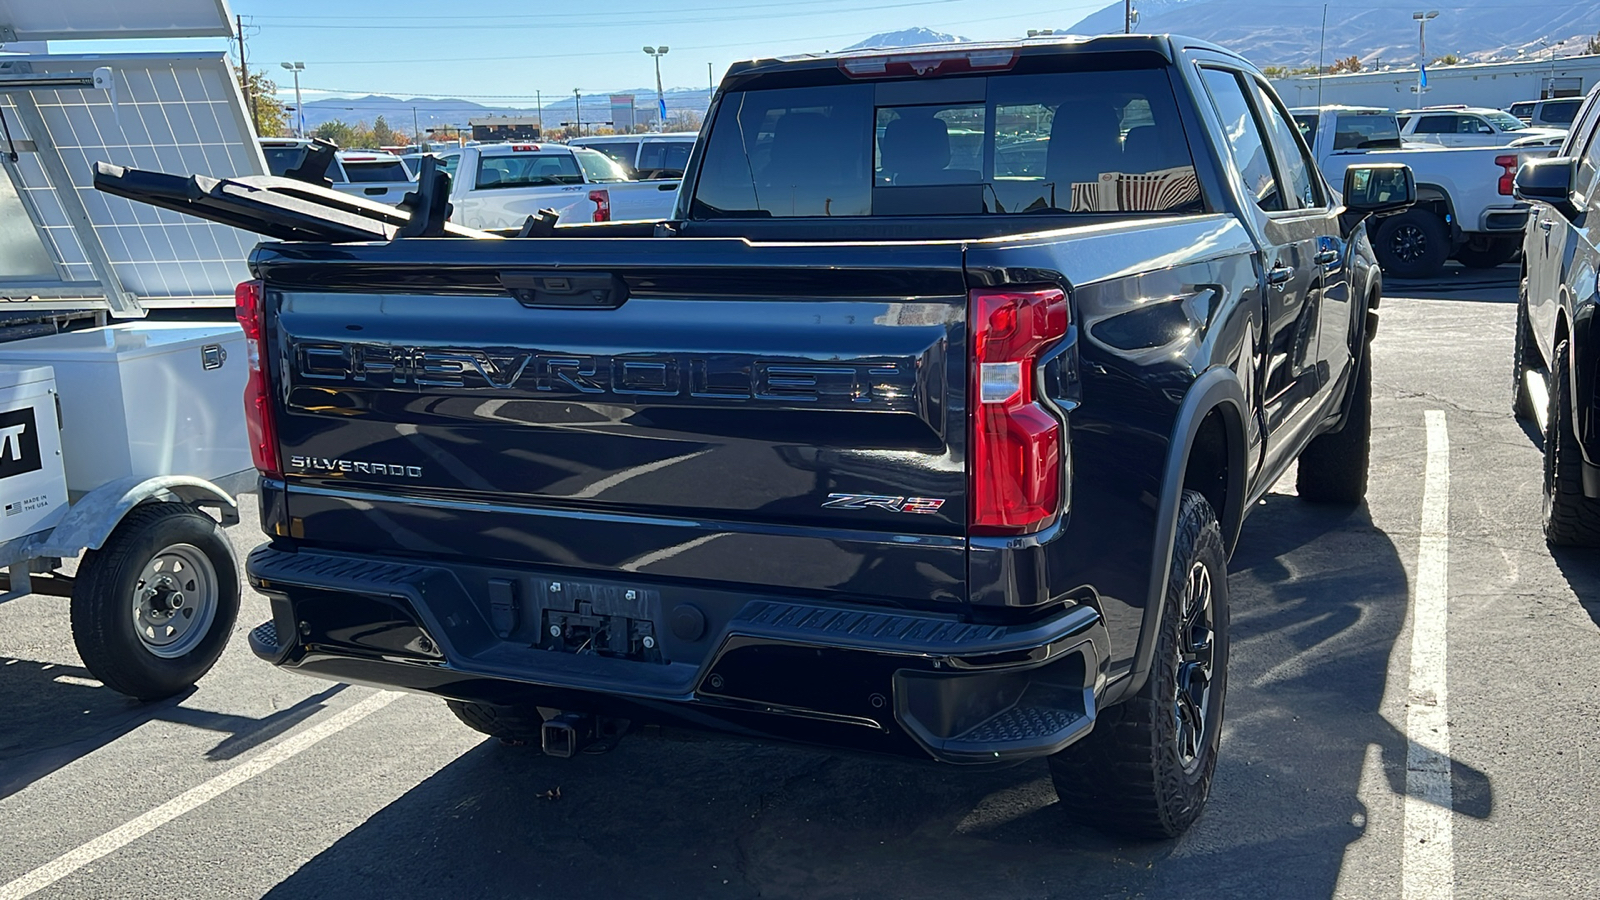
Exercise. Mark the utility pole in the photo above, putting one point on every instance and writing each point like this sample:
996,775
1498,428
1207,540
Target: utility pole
244,77
577,109
711,84
1127,16
538,99
416,133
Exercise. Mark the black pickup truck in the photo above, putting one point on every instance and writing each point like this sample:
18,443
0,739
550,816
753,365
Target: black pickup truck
925,427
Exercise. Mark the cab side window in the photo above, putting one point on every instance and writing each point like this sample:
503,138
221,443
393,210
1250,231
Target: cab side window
1583,180
1436,125
1245,143
1295,166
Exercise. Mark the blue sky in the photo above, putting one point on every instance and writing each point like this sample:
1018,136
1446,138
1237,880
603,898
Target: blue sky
503,53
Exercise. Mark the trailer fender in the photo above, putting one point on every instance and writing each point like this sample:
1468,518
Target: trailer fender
91,520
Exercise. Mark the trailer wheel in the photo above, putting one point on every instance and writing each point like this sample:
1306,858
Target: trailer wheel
153,608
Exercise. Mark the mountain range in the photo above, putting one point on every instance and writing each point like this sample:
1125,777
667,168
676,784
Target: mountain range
1270,32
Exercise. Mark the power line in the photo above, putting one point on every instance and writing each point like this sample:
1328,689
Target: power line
583,20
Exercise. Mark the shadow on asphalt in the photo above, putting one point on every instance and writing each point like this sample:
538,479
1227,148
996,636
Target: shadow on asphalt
56,714
1319,597
1581,567
1456,282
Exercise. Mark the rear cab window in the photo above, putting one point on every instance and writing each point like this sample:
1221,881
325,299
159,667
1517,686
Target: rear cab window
528,170
1360,131
281,159
1073,142
663,159
359,170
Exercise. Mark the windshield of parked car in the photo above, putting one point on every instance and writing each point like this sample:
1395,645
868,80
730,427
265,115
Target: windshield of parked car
1073,142
599,167
528,170
1505,121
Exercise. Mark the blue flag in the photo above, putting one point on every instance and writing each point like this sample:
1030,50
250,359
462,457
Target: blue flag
662,112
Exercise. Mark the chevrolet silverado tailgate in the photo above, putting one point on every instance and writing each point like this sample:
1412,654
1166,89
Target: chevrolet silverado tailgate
784,415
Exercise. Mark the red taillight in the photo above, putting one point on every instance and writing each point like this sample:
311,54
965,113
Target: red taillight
1015,451
1509,177
258,388
602,205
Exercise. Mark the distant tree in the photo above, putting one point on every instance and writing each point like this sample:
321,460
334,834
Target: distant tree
1449,59
338,132
1275,72
1305,70
260,92
1348,64
1593,47
382,134
683,120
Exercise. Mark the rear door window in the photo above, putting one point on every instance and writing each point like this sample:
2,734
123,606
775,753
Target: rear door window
1079,142
1245,141
1436,125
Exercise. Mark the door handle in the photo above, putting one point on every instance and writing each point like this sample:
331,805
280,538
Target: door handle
1547,224
1327,257
1280,275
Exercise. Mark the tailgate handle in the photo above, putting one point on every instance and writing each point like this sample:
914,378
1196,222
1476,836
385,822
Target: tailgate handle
586,290
374,192
667,187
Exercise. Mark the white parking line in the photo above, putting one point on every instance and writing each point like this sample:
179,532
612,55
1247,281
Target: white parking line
119,837
1428,868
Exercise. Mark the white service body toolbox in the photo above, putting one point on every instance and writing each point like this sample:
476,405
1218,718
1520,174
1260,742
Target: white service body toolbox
33,489
146,399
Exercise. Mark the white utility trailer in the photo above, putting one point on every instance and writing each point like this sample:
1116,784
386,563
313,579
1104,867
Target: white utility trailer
122,431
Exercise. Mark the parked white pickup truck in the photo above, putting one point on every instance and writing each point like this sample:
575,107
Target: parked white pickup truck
373,174
501,185
647,157
1464,205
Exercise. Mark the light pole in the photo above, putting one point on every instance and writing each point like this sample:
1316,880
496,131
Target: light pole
1422,49
299,109
577,110
661,101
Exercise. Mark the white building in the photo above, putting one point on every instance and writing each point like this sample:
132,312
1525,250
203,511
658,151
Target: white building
1496,85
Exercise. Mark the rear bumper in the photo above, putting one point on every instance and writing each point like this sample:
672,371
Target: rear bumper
878,680
1504,219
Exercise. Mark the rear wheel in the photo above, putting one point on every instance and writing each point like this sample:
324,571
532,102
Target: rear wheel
512,724
1570,518
1413,244
1145,771
1521,402
1333,467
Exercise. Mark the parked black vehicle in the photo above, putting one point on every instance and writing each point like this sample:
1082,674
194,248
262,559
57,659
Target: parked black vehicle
879,444
1557,353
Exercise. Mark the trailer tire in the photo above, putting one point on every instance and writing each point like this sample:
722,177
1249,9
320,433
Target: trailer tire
1413,244
1145,770
153,608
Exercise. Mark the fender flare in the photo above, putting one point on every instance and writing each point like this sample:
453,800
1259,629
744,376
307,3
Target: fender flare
90,521
1218,387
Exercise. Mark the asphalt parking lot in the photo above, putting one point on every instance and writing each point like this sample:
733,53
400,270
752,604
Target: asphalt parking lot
260,783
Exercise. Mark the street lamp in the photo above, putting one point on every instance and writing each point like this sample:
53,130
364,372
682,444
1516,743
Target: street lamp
661,101
299,108
1422,48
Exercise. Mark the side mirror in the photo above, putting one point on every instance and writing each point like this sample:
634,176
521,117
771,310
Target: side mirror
1379,189
1547,181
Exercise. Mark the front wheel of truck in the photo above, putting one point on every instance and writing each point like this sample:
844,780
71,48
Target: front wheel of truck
1145,771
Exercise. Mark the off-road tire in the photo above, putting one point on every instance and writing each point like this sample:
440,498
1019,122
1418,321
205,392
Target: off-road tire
1126,777
1413,244
103,627
1333,467
1570,518
512,724
1521,404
